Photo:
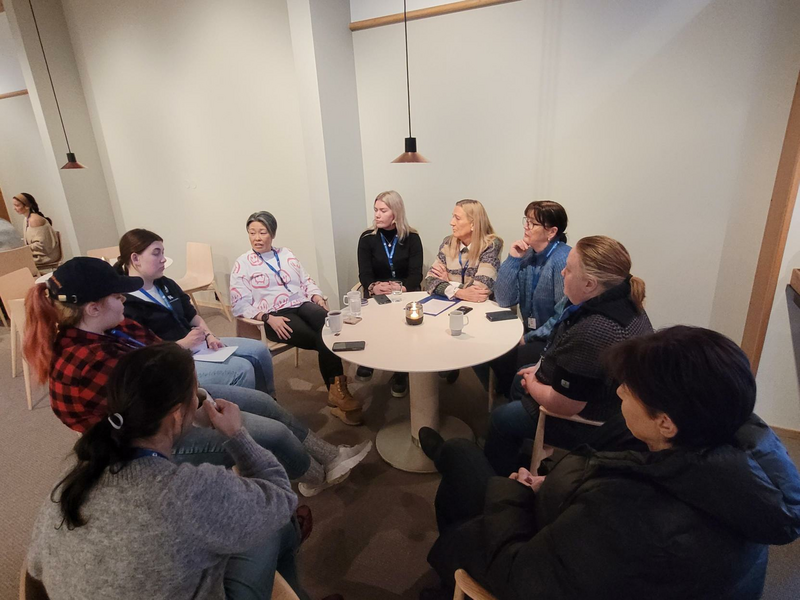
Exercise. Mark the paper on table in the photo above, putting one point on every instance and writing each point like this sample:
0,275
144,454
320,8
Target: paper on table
434,306
215,356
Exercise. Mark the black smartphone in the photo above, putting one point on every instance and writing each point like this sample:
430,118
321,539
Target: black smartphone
348,346
464,309
382,299
501,315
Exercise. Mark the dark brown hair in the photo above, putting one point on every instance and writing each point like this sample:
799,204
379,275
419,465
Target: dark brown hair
549,214
134,241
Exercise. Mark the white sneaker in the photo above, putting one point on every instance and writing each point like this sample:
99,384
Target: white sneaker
349,457
308,489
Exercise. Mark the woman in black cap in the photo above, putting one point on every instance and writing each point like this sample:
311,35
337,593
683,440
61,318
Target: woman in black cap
269,283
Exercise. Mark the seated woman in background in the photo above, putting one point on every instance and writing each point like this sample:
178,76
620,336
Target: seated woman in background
467,262
175,531
165,309
390,251
76,334
605,306
690,516
39,233
531,277
269,283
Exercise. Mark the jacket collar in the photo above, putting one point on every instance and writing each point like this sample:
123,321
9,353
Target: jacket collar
615,304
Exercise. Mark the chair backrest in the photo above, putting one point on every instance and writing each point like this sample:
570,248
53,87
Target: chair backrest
15,285
467,585
109,254
11,260
60,248
199,262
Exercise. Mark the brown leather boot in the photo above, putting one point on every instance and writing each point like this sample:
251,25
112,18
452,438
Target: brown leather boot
345,407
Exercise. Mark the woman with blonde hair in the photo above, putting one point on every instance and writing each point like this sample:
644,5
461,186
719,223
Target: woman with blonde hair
391,251
603,306
467,263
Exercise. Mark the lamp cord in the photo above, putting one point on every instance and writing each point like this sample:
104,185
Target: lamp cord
408,80
53,87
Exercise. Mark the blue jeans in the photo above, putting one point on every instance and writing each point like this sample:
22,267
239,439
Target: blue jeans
271,426
249,367
249,575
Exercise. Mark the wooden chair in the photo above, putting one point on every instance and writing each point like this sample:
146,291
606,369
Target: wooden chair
254,329
13,260
108,254
538,442
466,586
200,274
53,265
13,288
281,590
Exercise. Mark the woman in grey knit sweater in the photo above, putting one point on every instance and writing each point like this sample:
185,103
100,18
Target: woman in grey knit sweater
127,522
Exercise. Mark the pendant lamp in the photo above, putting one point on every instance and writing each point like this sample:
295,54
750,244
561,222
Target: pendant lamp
410,155
72,162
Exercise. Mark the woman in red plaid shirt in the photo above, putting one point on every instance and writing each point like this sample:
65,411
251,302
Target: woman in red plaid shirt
75,335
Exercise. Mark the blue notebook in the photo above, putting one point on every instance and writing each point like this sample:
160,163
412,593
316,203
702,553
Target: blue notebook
438,305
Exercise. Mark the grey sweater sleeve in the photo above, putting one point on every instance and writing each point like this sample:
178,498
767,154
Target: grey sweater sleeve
228,513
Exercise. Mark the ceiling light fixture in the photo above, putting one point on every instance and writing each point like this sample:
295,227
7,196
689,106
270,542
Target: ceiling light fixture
72,162
410,155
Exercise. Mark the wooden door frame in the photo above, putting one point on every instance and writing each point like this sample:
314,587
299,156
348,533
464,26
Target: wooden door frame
773,244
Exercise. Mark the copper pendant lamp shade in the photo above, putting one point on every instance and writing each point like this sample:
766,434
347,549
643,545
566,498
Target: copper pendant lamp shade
410,155
72,163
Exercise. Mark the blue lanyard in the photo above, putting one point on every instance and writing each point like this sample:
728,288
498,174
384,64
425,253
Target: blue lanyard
463,268
160,293
390,255
538,273
145,453
126,338
278,271
568,312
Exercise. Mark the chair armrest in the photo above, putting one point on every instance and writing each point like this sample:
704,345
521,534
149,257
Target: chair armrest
574,418
255,322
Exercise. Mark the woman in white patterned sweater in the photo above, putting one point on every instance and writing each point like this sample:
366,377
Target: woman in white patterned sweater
269,284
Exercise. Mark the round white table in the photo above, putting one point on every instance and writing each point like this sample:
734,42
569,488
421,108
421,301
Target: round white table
422,351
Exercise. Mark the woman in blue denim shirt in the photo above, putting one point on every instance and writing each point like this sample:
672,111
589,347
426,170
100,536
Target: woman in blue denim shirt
531,277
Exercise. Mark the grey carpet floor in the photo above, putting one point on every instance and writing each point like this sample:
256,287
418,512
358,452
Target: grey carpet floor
371,533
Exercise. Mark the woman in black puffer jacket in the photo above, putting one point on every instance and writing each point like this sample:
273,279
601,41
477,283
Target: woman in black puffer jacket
691,516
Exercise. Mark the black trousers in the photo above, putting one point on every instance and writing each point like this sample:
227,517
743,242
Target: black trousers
307,321
505,367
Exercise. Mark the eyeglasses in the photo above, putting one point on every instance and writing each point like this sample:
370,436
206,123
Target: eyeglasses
530,223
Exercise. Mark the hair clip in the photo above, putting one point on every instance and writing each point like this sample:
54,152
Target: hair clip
113,424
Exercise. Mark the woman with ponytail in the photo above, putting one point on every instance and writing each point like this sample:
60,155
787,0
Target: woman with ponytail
604,304
173,531
77,334
39,233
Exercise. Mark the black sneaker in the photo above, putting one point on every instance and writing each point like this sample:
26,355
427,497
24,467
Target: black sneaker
431,442
452,376
364,373
399,384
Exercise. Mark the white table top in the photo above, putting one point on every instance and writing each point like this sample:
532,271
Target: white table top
392,345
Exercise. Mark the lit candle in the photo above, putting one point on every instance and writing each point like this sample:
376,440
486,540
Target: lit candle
414,313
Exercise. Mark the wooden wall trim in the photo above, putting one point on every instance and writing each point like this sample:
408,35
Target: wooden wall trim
784,433
2,8
784,195
424,13
13,94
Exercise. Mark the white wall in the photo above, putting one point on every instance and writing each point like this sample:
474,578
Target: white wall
659,124
196,108
369,9
11,79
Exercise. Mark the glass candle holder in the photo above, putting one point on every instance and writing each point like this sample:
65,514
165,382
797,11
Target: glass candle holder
414,313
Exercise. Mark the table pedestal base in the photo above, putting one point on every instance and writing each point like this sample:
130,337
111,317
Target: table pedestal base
397,442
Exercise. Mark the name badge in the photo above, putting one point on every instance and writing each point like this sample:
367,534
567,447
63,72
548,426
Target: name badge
531,323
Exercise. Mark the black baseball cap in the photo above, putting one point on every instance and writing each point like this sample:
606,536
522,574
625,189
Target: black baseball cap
85,279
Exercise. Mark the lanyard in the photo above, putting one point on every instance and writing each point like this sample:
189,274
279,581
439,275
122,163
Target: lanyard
126,338
568,312
160,293
390,255
276,271
463,268
538,273
145,453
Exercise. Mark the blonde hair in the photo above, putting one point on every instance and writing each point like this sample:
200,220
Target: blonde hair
609,263
395,203
482,231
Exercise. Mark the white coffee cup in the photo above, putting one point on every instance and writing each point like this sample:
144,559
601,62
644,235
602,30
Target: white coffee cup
458,321
334,321
353,302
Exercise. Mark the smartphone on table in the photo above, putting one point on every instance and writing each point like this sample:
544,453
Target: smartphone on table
382,299
464,309
348,346
501,315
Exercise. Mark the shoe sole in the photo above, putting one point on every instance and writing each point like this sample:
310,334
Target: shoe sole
350,417
349,464
399,394
307,490
363,379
